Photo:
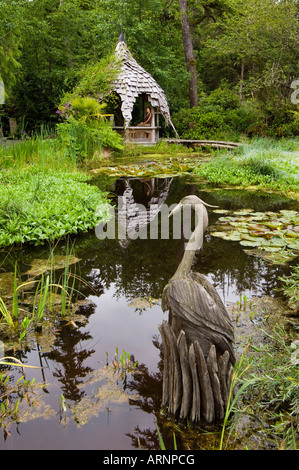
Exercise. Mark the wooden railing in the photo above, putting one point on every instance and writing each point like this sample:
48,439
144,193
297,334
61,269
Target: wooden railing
140,134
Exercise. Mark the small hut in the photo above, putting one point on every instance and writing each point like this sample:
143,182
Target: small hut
136,87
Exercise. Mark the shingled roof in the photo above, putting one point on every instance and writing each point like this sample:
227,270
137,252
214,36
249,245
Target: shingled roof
133,81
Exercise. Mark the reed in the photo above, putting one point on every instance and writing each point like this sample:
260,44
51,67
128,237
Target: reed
50,297
266,392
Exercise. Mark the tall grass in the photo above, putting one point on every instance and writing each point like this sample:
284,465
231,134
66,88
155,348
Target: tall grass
266,382
39,151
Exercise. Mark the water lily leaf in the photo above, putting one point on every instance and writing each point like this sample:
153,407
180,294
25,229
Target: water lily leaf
221,211
255,239
238,224
275,224
227,219
291,234
218,234
250,243
289,214
272,248
260,227
254,233
141,302
266,243
275,241
258,215
294,244
244,212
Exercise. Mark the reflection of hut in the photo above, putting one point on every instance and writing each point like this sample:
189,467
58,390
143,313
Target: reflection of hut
135,217
134,86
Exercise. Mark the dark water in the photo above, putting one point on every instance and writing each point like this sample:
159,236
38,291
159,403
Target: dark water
118,276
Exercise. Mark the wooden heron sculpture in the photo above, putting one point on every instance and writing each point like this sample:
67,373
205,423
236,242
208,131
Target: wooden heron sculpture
197,339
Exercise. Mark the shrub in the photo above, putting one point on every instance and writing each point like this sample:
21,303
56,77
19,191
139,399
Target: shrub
217,117
85,130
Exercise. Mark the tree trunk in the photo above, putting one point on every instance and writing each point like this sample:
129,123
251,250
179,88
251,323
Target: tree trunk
189,53
67,42
241,81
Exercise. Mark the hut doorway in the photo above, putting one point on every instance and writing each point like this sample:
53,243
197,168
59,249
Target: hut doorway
139,110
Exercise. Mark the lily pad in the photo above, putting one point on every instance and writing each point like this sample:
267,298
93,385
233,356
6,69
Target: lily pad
39,266
244,212
249,243
143,303
269,231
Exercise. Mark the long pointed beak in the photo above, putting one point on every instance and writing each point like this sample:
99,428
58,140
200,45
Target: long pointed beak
176,209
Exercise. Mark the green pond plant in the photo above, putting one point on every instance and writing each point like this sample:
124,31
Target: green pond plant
37,207
265,393
290,287
50,298
267,164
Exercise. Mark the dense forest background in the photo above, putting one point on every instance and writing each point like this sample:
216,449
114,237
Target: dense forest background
227,67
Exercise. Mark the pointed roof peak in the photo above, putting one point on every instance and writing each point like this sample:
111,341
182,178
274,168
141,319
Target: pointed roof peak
121,37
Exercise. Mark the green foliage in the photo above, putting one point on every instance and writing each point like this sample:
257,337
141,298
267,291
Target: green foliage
39,206
290,286
218,116
267,390
264,162
85,130
82,108
57,39
84,140
9,43
95,78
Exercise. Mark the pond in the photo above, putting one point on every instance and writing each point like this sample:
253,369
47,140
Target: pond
83,397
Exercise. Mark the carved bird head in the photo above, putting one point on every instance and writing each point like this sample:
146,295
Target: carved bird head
197,204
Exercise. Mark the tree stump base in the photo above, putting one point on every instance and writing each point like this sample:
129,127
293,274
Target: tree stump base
195,388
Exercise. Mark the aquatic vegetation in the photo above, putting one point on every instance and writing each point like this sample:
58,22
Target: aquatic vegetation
17,400
173,166
11,396
43,206
273,232
40,150
40,296
267,393
124,361
112,384
291,288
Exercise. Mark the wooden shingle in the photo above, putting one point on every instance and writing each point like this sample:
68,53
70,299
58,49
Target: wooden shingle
133,81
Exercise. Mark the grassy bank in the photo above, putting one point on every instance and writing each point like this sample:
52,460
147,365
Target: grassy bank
265,163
